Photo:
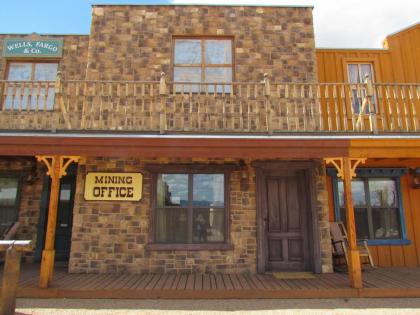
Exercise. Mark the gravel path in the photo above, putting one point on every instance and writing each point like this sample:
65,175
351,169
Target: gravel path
231,307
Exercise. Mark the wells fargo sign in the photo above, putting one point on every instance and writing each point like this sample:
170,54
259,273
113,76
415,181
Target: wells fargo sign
113,186
23,47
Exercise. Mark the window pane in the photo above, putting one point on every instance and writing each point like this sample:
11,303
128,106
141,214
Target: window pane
187,51
386,223
8,191
208,225
187,74
172,226
65,192
365,69
172,190
383,193
218,51
361,222
41,100
45,71
358,193
219,75
17,98
208,190
20,72
353,73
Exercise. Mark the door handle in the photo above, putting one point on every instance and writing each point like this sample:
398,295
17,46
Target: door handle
64,225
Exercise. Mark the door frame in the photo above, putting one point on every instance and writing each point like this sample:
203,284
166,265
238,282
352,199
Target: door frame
279,168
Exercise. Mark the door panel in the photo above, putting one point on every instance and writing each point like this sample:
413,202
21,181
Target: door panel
286,223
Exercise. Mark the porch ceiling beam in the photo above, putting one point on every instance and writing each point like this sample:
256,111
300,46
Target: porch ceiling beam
56,168
346,170
174,147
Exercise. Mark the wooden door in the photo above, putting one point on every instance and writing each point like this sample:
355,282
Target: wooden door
286,223
64,218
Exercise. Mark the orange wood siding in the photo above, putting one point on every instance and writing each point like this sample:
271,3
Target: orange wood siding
405,54
332,63
397,255
398,62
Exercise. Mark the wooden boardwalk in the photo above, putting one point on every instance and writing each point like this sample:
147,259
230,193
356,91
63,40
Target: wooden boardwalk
379,282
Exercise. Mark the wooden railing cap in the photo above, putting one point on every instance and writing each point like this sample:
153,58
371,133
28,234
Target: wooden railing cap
19,245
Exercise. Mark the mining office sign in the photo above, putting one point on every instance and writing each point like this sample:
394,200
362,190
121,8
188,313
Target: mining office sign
23,47
113,186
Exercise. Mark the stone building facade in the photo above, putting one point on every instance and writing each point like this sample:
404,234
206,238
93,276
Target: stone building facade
112,237
129,43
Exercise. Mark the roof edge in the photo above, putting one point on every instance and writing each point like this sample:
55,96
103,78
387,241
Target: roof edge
201,5
405,29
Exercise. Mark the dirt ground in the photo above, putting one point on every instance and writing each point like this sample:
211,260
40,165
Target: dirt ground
231,307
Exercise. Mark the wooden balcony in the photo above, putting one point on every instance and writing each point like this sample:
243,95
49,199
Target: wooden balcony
239,107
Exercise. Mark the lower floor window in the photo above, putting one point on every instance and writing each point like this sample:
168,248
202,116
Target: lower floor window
190,208
378,210
9,201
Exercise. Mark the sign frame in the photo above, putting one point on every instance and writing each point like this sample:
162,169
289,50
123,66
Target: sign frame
30,43
114,199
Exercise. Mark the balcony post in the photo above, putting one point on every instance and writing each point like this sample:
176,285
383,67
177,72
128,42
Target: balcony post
369,97
268,110
59,100
56,165
346,170
163,92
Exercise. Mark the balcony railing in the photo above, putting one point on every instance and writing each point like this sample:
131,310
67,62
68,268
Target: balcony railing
237,107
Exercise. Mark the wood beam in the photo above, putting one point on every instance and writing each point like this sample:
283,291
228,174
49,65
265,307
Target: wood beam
56,168
346,168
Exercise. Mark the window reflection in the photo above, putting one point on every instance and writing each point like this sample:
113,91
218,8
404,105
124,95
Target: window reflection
190,214
208,190
172,190
376,208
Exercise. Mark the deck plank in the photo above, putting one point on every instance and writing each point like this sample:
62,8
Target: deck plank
182,282
206,282
190,282
198,282
378,282
227,282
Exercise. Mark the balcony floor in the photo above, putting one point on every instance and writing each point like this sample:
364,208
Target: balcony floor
378,282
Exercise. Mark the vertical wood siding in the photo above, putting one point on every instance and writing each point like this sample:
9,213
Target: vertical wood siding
396,255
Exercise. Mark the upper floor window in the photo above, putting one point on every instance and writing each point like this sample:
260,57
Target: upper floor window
203,60
356,75
26,91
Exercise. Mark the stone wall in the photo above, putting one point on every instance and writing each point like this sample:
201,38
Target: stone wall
30,196
323,219
72,63
111,237
135,42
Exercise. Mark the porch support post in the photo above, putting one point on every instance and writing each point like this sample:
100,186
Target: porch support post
56,166
346,170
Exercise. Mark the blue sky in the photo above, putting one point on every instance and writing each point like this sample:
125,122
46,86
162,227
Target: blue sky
337,23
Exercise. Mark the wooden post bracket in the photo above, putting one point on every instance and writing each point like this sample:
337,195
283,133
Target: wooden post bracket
338,163
65,161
